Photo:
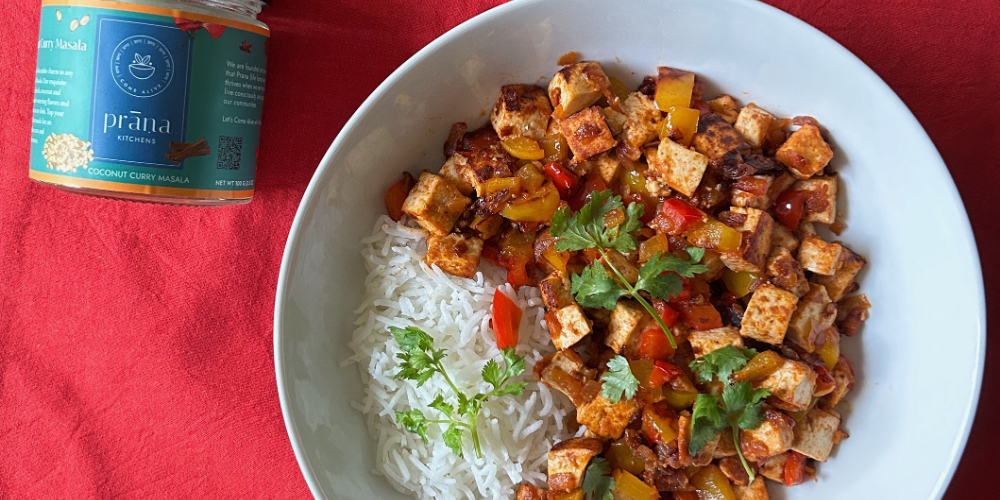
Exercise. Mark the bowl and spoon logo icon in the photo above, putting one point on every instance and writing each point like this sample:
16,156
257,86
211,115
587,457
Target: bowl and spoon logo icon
142,67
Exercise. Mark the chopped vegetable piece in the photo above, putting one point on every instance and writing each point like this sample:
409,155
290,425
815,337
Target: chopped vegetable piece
397,194
506,320
523,148
539,208
659,424
497,185
712,484
656,244
788,207
629,487
620,456
715,235
830,350
663,372
654,344
594,184
555,147
679,400
673,88
635,181
795,468
739,283
680,216
701,317
565,181
531,177
618,88
759,367
668,314
681,125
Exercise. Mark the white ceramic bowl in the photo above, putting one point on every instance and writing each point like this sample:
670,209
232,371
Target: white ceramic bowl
919,358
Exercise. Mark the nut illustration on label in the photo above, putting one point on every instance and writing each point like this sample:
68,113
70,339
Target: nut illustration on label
84,20
74,24
58,15
67,152
180,151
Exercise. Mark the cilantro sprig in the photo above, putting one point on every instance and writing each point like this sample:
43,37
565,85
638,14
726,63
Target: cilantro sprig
738,407
618,380
586,229
420,362
597,481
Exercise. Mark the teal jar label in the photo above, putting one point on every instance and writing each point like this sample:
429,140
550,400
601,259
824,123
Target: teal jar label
138,99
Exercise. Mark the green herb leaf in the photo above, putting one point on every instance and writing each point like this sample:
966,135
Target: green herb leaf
515,364
453,438
411,339
653,280
618,379
622,240
440,405
597,481
413,421
492,373
594,288
743,400
512,389
585,229
721,363
696,254
706,422
464,405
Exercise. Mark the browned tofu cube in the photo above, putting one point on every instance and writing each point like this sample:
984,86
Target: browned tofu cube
587,133
627,320
615,121
435,203
607,165
530,492
842,279
521,111
716,138
774,436
573,326
813,315
555,291
814,434
642,123
785,272
750,199
576,87
773,468
822,205
726,107
458,172
783,237
568,461
756,490
704,342
455,254
756,228
715,266
676,166
754,123
607,419
805,152
791,386
768,313
819,256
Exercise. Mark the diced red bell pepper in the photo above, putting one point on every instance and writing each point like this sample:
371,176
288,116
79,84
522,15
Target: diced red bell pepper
668,314
685,292
566,182
594,183
396,196
654,344
517,273
824,380
506,320
662,373
795,468
701,317
788,207
491,253
679,216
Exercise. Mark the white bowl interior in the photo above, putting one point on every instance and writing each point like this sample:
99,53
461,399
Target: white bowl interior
918,359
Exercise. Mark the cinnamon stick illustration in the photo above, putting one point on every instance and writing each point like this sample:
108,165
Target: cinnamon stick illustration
180,151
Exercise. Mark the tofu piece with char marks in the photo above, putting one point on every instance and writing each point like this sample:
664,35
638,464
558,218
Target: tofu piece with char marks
568,462
607,165
783,237
587,133
792,385
819,256
768,314
726,107
555,290
716,138
704,342
458,172
455,254
843,378
822,205
530,492
754,123
847,270
642,122
627,320
741,198
805,153
576,87
573,326
521,111
786,272
813,315
435,203
756,228
676,166
773,436
607,419
814,434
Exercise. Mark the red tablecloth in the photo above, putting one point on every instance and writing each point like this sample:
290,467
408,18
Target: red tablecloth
135,340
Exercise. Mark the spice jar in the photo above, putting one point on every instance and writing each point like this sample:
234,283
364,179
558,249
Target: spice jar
150,100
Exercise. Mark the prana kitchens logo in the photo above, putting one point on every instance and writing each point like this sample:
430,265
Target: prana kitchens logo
142,66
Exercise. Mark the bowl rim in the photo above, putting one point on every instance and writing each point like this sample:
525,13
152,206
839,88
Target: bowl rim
308,198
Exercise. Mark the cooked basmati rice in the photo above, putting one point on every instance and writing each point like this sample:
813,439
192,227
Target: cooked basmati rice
516,433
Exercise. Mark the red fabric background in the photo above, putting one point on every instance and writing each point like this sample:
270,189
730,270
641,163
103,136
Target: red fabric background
135,340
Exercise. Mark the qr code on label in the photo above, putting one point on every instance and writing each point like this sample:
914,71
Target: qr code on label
230,152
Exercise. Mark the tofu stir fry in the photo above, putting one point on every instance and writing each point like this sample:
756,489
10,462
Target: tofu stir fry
696,311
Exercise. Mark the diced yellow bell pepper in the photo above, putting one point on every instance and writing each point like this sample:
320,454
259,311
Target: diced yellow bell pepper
830,350
614,218
738,283
635,181
567,495
629,487
759,367
488,227
681,125
531,177
523,148
618,88
656,244
557,259
539,208
641,368
713,234
673,88
679,400
620,456
495,185
554,147
711,484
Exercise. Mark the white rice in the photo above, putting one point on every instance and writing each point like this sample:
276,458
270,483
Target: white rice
515,433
